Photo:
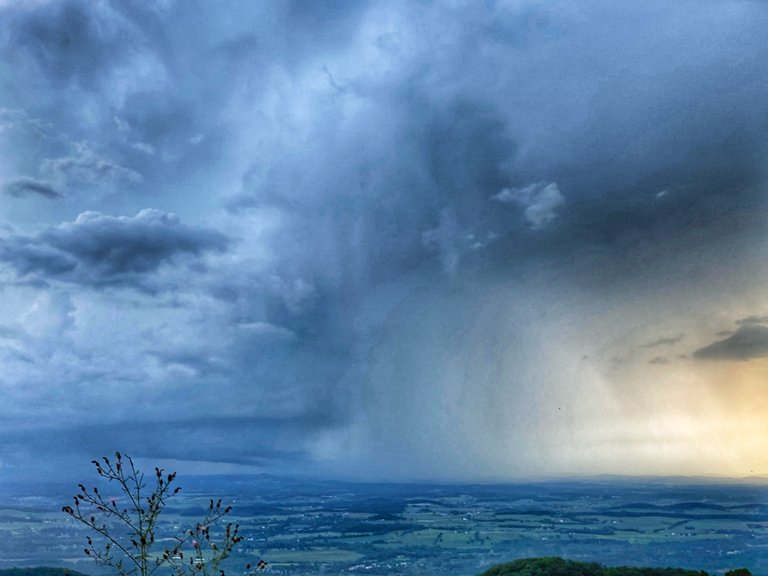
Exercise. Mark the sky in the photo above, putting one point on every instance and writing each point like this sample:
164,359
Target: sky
459,241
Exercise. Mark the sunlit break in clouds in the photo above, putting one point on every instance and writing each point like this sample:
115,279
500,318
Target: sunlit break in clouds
385,240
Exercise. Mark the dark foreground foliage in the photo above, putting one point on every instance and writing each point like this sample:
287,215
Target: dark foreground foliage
560,567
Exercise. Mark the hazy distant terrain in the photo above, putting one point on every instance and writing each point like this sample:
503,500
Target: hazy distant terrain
307,527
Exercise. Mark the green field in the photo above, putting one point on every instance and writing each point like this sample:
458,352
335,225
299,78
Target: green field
389,529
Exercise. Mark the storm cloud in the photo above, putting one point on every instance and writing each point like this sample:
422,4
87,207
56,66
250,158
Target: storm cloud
382,239
22,187
664,341
749,341
96,249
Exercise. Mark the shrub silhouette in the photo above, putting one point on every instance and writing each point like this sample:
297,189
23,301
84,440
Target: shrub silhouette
125,535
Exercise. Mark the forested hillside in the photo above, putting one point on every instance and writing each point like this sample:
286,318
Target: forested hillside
559,567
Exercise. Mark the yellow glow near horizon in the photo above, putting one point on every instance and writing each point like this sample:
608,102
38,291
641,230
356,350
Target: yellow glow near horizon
697,418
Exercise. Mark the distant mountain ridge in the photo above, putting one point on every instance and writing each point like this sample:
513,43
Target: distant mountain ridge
40,571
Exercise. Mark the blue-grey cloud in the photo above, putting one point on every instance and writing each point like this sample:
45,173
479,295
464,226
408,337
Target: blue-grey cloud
21,187
558,162
540,200
748,342
66,42
97,249
752,320
86,167
232,440
663,341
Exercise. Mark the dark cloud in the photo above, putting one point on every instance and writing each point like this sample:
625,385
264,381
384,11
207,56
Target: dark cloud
66,42
568,161
664,341
149,447
750,320
426,205
234,439
97,249
659,360
22,187
749,341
